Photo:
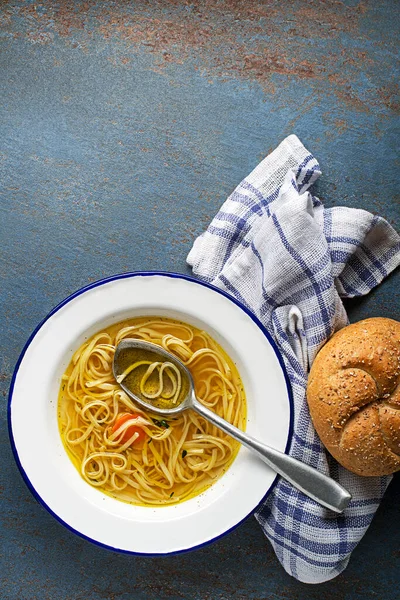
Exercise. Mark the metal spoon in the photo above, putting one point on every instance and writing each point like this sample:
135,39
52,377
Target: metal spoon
311,482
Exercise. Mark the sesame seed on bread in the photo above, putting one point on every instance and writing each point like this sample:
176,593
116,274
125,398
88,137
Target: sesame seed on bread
353,394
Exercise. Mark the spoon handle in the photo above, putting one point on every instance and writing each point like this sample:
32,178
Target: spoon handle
311,482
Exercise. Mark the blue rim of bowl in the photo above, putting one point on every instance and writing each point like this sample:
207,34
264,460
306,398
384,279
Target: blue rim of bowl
128,276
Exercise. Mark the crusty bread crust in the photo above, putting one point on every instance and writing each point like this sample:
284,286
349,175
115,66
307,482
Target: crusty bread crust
353,394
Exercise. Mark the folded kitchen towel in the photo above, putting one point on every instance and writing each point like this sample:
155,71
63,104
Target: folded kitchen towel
275,248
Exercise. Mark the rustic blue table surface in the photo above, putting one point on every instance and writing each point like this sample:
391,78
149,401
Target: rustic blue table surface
124,127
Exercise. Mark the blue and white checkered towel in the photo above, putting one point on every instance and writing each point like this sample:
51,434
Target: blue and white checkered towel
281,253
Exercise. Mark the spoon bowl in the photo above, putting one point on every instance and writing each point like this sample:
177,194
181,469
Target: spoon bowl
125,353
311,482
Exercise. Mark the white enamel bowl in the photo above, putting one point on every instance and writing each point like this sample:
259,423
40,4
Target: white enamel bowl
49,472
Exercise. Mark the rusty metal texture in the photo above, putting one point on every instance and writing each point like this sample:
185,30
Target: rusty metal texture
124,126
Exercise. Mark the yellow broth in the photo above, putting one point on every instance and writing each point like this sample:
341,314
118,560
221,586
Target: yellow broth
130,356
181,456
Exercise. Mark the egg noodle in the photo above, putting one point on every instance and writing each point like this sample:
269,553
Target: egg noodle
132,454
170,370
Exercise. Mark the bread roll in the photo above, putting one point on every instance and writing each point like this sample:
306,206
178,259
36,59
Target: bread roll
353,394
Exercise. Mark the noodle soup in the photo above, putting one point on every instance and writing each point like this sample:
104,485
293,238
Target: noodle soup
134,455
159,383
